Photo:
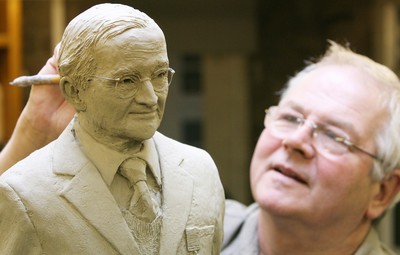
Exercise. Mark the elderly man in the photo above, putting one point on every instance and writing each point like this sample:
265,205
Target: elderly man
111,184
326,165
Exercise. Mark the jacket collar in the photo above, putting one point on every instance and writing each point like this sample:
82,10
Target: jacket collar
107,160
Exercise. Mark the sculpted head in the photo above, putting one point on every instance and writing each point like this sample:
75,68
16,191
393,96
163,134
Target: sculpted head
114,70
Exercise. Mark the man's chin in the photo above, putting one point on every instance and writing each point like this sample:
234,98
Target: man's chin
143,134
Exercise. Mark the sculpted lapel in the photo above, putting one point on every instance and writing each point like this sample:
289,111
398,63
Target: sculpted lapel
177,195
86,185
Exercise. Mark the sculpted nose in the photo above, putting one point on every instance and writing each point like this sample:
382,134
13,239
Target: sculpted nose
146,94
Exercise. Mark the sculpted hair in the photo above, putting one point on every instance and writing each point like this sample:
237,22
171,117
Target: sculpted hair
387,138
85,31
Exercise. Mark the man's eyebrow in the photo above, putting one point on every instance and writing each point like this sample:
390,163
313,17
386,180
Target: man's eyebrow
126,70
294,106
123,71
161,64
342,124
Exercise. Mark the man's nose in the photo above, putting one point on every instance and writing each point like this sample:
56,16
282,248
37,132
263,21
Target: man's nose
301,140
146,93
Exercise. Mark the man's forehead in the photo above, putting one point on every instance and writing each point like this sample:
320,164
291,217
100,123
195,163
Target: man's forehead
139,37
133,56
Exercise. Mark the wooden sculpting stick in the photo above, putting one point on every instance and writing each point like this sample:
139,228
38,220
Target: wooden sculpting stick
27,81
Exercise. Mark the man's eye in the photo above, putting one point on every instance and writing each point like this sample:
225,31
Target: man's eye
332,135
129,80
290,118
161,74
335,136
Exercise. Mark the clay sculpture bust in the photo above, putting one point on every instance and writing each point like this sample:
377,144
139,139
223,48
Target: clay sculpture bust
112,184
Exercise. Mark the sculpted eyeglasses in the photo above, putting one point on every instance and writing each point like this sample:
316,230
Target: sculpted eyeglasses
327,139
129,85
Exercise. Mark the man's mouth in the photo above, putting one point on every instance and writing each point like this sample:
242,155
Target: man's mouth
289,173
143,114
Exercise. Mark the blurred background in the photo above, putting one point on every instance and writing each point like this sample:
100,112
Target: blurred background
231,58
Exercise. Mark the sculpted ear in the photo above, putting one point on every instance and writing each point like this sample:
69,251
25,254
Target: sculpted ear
384,194
72,94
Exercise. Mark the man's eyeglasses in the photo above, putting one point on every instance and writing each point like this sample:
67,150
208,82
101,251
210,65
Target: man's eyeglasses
326,139
129,85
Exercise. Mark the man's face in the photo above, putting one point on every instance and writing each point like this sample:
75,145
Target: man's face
112,114
291,177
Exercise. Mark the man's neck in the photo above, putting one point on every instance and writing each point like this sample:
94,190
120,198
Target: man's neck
126,146
280,236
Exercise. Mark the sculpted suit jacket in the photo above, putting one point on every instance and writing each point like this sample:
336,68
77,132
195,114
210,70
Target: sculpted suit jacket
56,202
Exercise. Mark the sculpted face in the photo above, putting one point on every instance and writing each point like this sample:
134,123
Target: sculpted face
113,114
290,177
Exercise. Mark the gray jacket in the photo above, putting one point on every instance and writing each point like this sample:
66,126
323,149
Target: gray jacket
240,233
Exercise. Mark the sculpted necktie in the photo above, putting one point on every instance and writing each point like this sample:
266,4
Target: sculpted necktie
142,205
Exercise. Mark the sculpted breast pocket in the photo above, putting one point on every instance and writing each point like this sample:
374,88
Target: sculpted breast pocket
199,239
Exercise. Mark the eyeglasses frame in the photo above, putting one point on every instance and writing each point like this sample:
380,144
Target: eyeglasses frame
345,141
116,80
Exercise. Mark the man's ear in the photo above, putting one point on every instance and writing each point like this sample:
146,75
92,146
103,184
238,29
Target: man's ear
383,195
72,94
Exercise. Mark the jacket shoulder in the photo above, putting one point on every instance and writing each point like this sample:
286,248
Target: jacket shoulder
15,222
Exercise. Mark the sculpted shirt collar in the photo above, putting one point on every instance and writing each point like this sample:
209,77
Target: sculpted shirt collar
107,160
